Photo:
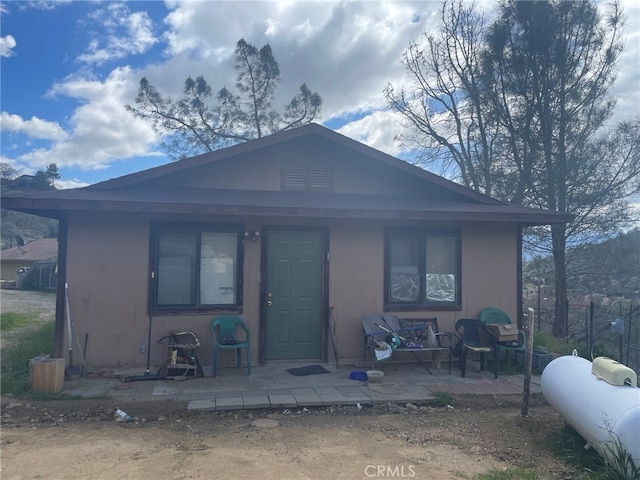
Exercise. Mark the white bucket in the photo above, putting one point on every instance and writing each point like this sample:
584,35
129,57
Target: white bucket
374,376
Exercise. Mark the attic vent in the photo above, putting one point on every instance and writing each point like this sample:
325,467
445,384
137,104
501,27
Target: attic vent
295,175
306,175
319,176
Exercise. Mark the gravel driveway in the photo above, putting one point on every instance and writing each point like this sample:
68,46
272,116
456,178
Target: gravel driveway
22,301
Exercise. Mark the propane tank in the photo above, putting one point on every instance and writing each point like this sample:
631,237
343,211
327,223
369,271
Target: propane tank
605,415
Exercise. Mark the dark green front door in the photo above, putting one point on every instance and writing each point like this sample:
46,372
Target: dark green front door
294,295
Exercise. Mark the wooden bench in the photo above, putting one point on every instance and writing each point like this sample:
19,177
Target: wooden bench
410,334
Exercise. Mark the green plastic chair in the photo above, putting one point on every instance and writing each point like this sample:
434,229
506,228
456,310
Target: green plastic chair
495,316
224,331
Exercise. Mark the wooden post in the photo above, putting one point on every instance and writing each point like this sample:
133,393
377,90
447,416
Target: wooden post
528,359
58,346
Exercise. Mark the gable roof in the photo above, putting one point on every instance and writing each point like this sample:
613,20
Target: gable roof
312,129
135,192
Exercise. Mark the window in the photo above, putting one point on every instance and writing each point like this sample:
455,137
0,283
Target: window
196,267
422,268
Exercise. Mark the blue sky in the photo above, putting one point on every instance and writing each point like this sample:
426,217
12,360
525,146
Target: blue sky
68,69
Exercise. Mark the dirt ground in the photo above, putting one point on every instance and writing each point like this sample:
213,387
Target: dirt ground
81,439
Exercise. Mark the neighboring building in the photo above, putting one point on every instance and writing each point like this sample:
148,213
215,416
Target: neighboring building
285,230
12,259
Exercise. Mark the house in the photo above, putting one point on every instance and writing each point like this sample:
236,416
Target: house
288,231
24,256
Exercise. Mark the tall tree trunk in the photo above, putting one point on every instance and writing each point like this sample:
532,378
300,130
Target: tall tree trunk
561,310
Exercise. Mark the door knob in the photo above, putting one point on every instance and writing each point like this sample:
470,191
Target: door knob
269,303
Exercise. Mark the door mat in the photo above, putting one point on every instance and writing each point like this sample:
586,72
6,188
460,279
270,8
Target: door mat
308,370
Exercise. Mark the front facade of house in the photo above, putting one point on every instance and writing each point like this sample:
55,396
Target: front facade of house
294,232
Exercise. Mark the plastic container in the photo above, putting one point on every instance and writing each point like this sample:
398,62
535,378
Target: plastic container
358,375
374,376
122,416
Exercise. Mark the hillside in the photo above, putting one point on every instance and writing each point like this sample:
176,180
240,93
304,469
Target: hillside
609,268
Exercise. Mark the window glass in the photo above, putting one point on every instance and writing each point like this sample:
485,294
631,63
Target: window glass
176,268
217,268
440,269
196,267
422,268
404,268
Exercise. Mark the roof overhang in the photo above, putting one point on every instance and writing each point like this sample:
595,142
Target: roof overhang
140,191
276,203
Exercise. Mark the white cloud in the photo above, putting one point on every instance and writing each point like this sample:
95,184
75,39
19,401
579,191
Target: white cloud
20,169
34,128
346,51
627,87
7,44
122,33
63,184
47,4
101,130
378,130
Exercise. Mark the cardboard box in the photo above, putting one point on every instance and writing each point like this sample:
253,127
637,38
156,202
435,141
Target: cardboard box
504,332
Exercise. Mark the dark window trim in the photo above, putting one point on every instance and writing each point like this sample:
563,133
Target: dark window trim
431,306
198,228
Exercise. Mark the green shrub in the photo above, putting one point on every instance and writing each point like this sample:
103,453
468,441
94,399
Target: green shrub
619,462
546,342
442,399
569,446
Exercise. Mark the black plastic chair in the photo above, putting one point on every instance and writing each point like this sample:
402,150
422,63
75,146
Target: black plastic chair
469,330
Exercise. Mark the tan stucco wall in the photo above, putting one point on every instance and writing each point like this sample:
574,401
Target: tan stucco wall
108,266
108,258
489,273
108,276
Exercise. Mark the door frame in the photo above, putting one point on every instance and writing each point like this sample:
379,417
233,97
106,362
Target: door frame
324,306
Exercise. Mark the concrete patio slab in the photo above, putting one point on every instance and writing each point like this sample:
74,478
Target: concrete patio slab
282,398
306,397
229,403
255,399
271,386
202,405
330,395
